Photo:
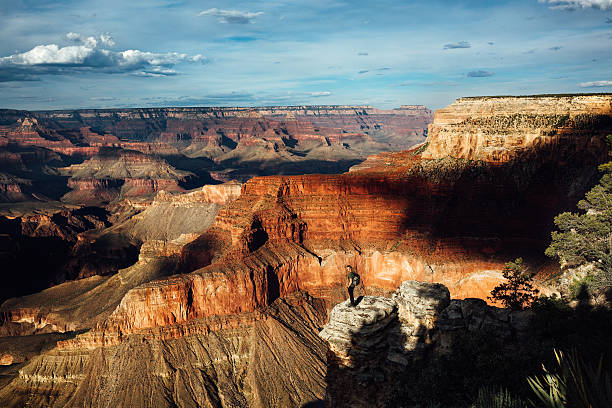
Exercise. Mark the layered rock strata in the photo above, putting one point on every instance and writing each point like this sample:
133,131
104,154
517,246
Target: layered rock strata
171,223
428,220
499,129
220,144
114,174
399,216
301,122
372,343
268,358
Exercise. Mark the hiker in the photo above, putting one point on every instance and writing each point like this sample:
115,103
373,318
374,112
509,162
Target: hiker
353,280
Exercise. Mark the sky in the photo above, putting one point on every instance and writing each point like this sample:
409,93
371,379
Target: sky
69,54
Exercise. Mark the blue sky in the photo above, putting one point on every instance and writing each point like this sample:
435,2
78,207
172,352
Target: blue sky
108,53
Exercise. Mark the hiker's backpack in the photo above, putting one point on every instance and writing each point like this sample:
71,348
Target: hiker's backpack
356,278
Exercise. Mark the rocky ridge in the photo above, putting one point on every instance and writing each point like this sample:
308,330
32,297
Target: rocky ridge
114,174
162,232
214,143
372,343
499,129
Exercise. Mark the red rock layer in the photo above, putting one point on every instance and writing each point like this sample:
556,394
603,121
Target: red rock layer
238,122
286,234
159,130
115,173
398,217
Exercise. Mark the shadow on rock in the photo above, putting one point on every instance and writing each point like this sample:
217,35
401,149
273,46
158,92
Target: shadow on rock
314,404
421,349
373,342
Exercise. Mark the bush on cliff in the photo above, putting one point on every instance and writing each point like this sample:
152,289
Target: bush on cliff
586,238
482,362
518,291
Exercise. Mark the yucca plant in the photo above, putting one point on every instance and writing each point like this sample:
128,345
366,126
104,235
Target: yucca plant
550,388
576,384
491,398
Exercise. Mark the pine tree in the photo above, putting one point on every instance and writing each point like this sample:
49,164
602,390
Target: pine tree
586,238
518,291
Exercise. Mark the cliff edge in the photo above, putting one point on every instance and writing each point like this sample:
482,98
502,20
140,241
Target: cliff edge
373,343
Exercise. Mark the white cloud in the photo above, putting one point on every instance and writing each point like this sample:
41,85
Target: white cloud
73,37
231,16
90,42
90,56
595,84
107,40
320,93
574,4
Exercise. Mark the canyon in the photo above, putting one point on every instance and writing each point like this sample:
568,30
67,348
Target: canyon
76,156
232,283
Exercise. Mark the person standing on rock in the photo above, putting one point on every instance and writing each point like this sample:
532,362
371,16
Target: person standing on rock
353,280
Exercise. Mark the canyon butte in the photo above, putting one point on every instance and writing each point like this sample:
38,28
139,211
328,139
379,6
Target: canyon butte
231,294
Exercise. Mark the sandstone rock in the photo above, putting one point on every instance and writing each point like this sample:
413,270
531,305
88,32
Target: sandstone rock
371,344
421,303
264,359
499,129
474,315
113,173
357,331
6,359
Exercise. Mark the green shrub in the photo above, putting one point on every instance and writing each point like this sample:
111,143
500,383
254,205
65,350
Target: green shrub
579,288
586,238
518,291
593,283
421,149
489,397
575,383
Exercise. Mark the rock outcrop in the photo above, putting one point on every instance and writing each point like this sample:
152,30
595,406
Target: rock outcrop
371,344
162,231
172,216
118,173
499,129
268,358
